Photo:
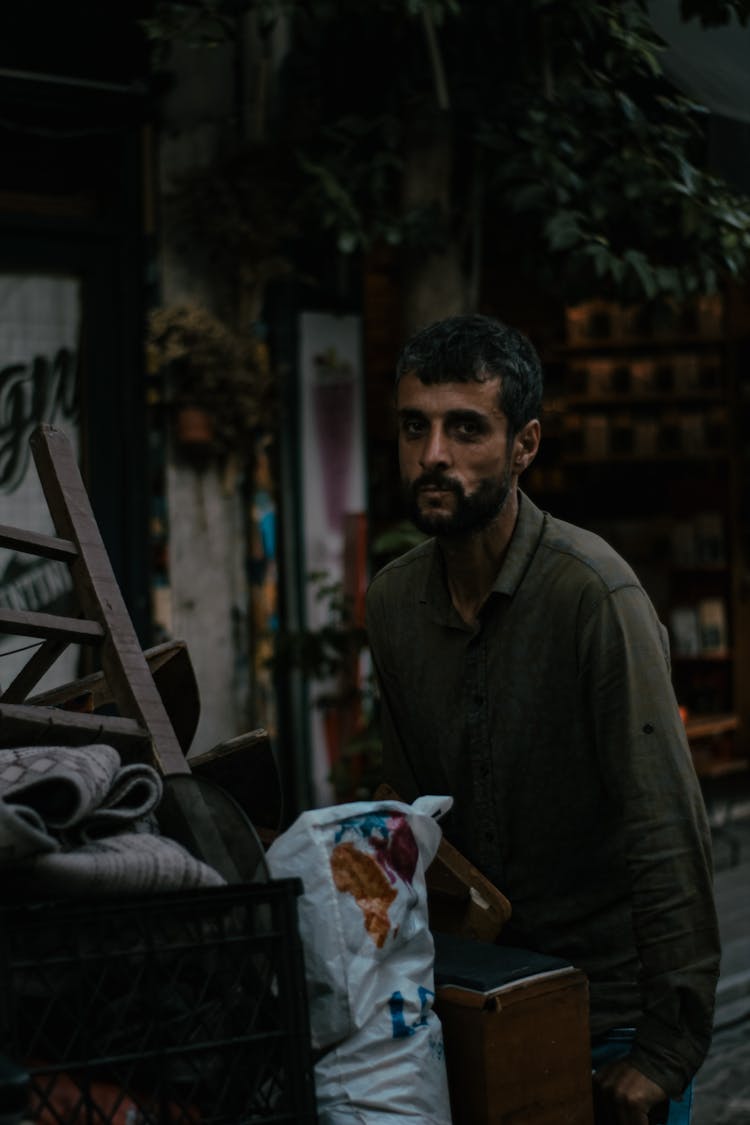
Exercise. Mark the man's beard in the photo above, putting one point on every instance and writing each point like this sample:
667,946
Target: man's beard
471,513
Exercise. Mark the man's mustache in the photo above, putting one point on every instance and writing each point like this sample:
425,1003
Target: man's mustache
435,480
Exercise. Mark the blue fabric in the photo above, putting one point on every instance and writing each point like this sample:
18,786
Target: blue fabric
616,1045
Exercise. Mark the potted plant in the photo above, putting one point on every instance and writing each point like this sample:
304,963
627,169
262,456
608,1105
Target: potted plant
218,381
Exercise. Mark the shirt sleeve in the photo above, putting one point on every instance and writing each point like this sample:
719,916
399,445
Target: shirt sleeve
645,759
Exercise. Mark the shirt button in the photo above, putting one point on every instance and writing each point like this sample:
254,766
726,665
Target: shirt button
478,699
489,837
483,771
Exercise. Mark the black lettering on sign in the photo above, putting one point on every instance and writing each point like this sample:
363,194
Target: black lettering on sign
40,585
41,391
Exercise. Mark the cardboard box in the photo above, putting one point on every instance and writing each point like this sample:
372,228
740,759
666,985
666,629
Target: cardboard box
516,1034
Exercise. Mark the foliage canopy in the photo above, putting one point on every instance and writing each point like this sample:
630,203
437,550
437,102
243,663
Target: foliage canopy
559,136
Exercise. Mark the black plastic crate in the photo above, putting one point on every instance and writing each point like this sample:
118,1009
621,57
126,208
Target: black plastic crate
173,1009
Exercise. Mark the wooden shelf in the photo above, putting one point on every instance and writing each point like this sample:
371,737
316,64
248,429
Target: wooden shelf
640,458
690,570
649,428
658,398
709,766
710,726
704,733
620,344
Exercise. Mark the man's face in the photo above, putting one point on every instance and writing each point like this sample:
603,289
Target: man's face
454,454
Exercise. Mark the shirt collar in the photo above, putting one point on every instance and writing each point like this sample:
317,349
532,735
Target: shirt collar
521,550
522,546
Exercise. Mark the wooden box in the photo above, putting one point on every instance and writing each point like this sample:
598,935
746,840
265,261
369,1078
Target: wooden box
516,1033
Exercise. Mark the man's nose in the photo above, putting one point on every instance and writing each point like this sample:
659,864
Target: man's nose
435,450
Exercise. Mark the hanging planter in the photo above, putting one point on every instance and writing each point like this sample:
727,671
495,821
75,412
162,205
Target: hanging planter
194,427
217,381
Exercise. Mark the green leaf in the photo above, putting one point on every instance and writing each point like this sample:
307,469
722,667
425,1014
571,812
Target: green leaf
529,197
643,271
563,230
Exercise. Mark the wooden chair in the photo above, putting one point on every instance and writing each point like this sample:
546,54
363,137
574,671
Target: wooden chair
460,899
142,730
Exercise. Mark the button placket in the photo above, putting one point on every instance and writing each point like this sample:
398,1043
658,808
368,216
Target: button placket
477,725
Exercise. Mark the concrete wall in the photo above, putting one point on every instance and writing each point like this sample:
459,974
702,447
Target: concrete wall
209,599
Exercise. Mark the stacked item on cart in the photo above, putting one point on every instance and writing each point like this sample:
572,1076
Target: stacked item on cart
150,971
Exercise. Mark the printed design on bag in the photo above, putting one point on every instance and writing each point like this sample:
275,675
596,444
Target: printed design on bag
358,874
370,876
391,839
402,1030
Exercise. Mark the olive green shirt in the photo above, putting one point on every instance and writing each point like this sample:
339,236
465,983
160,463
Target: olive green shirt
554,726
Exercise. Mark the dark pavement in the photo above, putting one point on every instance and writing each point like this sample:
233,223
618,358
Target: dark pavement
722,1086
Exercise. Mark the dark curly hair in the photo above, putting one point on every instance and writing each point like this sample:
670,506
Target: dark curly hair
475,348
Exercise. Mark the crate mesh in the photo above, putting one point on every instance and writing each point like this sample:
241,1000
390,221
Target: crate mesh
171,1009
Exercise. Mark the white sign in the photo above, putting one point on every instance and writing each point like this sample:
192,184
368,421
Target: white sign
39,328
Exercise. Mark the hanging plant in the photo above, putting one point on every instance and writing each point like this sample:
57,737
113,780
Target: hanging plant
218,381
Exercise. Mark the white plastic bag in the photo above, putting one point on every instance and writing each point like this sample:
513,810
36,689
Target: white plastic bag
369,958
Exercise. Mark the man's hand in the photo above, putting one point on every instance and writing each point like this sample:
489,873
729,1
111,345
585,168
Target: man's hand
624,1096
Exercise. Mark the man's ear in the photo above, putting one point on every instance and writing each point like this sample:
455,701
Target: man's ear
526,445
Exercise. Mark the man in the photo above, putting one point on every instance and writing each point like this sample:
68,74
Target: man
523,670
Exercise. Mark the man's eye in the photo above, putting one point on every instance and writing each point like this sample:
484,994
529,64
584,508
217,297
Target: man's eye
467,429
412,427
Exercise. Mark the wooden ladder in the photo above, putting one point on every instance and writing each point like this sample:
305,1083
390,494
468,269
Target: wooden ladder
142,730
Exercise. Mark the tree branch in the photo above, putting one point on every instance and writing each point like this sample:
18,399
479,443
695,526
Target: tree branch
436,60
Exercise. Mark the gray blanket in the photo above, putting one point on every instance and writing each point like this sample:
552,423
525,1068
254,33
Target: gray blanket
75,821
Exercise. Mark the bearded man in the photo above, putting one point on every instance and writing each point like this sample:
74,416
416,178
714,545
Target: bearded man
523,670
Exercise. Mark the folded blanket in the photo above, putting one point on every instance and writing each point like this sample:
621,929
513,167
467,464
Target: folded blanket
73,820
126,864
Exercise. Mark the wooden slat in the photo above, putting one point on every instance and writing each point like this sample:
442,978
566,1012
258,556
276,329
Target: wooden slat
31,543
72,630
33,670
123,662
175,681
24,725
